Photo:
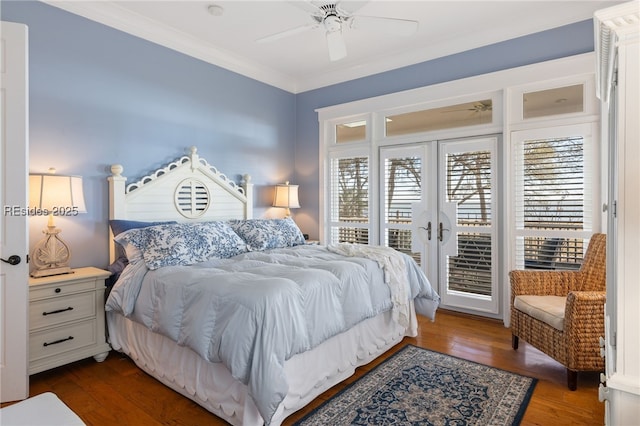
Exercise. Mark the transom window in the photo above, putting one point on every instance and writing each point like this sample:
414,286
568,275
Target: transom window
448,117
545,103
351,132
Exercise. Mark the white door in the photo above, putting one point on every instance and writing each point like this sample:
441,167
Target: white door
466,229
438,206
14,289
406,223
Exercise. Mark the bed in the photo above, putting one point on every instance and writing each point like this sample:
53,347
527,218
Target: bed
236,313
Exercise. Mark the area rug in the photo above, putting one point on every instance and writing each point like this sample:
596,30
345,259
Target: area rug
416,386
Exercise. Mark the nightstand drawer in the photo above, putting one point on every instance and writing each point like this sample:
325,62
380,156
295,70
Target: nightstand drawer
48,312
62,339
61,289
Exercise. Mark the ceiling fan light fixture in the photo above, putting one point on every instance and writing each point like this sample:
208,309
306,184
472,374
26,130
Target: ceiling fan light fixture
215,10
332,23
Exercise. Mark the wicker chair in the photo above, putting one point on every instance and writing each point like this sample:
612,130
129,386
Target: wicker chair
561,313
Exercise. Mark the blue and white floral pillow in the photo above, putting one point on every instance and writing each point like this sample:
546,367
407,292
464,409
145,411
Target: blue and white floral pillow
184,243
264,234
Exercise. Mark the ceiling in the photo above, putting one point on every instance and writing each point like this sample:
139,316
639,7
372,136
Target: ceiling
300,62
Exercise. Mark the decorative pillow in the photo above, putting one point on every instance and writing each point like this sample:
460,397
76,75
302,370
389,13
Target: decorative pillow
183,243
263,234
118,226
132,254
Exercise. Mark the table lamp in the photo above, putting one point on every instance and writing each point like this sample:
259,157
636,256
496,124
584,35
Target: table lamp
54,195
286,196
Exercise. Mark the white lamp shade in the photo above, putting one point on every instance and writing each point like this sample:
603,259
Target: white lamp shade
51,191
286,196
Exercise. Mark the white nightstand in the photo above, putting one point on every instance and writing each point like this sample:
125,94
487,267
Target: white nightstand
66,318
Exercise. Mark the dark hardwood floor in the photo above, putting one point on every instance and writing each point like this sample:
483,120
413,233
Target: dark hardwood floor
116,392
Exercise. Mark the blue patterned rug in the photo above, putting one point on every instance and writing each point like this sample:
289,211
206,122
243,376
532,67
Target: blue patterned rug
416,386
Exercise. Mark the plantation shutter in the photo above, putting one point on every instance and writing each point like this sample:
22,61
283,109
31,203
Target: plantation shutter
552,184
349,199
403,182
553,201
469,185
402,188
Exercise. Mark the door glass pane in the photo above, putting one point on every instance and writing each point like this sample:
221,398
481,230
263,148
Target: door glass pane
561,100
402,189
470,270
452,116
351,132
469,185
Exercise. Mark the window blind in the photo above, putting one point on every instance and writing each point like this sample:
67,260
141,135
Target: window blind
469,184
552,201
349,195
402,188
552,184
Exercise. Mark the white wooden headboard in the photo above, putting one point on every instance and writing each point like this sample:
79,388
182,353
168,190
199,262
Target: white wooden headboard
188,189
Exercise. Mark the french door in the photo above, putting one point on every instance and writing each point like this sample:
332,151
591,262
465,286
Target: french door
438,204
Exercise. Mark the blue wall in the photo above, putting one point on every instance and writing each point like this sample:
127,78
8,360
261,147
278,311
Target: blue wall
99,96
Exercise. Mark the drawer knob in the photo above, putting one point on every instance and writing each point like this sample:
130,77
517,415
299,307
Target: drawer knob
57,341
58,290
70,308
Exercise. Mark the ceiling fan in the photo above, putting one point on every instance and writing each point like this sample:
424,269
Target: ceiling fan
333,17
477,108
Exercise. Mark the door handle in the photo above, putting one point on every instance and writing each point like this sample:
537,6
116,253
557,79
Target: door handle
428,229
441,230
12,260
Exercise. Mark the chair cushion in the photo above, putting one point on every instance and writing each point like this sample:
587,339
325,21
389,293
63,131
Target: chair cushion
548,309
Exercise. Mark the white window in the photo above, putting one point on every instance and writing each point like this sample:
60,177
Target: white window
348,193
553,184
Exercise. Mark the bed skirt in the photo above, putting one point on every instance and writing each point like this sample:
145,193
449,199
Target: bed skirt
211,385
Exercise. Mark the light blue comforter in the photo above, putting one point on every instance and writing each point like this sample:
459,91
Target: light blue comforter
256,310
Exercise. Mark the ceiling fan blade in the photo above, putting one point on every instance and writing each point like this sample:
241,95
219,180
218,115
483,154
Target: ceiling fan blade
388,25
308,6
457,110
336,45
350,6
287,33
